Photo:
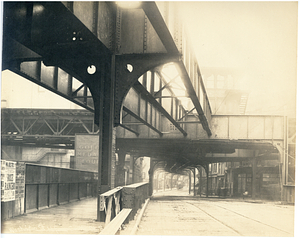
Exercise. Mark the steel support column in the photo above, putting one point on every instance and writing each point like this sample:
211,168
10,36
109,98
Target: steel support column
254,171
190,181
120,171
207,176
150,172
106,137
200,180
153,163
132,163
165,178
194,171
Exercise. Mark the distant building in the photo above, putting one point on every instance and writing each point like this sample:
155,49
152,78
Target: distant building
235,178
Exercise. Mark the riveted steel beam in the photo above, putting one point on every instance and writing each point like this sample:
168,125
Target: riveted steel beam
158,23
125,79
179,106
40,122
75,45
129,129
191,92
60,83
142,120
152,100
52,31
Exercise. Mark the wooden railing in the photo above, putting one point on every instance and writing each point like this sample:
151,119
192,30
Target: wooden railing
119,205
110,204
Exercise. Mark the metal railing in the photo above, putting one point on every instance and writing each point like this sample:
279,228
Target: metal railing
134,196
47,186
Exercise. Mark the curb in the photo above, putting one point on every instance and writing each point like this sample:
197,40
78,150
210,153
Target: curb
138,220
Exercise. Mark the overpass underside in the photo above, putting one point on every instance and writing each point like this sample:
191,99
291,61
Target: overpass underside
58,129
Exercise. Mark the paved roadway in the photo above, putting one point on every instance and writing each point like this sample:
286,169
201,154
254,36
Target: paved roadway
168,213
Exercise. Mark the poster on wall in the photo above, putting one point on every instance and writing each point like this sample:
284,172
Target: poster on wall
86,152
20,180
3,176
8,180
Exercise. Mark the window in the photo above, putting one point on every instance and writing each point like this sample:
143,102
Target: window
210,82
220,82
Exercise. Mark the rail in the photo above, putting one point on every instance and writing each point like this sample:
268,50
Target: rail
119,205
110,204
47,186
34,187
114,226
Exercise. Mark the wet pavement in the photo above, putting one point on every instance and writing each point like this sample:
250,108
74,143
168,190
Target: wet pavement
172,212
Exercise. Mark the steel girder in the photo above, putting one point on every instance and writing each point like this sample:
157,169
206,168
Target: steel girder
45,128
182,154
57,128
56,117
61,40
65,38
143,107
153,101
141,64
57,80
187,66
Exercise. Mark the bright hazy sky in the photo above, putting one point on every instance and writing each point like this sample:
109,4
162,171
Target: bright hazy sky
258,39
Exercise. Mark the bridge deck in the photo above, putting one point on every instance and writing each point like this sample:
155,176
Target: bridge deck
172,212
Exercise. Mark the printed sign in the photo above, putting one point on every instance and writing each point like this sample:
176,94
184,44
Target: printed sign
86,152
8,180
20,180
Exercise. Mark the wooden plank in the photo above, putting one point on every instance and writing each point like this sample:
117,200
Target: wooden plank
111,192
135,185
108,210
113,227
117,202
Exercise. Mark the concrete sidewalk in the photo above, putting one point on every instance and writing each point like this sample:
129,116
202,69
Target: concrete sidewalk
73,218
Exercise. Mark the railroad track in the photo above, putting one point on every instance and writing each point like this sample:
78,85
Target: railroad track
245,225
171,213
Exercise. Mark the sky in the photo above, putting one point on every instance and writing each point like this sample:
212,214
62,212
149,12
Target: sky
258,39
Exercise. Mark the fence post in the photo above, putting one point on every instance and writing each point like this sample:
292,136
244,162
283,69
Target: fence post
194,182
37,196
190,182
48,196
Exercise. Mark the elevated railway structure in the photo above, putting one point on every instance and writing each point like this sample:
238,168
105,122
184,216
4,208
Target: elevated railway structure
112,61
93,53
256,140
